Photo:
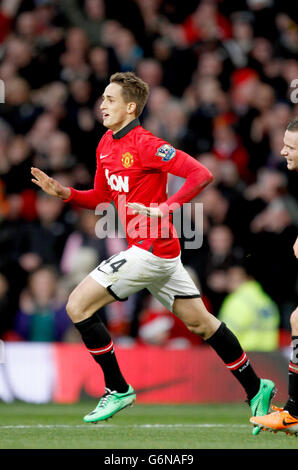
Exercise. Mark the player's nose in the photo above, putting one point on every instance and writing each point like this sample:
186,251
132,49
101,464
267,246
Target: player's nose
283,152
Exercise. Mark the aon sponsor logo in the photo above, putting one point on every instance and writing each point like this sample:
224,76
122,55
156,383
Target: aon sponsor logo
117,182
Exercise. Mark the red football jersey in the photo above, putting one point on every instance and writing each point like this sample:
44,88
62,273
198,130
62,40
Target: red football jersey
132,166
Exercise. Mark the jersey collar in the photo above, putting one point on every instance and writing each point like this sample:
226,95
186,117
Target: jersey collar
126,129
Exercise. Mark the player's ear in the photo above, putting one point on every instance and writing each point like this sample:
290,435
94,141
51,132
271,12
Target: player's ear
131,107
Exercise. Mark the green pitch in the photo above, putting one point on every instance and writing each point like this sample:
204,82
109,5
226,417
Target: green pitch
52,426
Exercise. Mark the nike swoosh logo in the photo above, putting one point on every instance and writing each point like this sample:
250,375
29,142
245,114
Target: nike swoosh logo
104,156
287,423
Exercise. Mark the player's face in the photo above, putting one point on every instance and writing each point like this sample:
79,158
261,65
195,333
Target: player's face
290,149
115,112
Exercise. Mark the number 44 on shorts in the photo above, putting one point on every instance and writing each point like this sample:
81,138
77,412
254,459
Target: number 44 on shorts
114,266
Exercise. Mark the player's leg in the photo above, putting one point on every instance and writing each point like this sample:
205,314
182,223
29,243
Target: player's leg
286,418
292,404
198,320
86,299
114,279
181,296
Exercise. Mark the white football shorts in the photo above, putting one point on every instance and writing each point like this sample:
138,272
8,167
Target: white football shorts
134,269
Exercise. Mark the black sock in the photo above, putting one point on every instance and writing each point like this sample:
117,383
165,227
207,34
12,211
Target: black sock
292,404
100,345
227,346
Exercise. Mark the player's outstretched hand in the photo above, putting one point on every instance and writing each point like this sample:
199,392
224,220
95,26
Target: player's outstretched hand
295,248
141,209
49,185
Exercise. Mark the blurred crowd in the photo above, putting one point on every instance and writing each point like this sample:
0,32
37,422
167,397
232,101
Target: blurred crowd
221,77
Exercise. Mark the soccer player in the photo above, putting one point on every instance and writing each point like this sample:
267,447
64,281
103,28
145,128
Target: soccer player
132,168
286,418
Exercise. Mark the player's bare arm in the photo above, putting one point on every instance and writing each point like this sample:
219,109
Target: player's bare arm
49,185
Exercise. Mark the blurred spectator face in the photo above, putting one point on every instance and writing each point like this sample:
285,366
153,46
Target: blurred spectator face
262,50
175,118
158,99
76,41
209,65
110,31
75,62
271,184
26,25
244,85
45,11
273,68
7,70
58,151
281,116
48,208
229,174
81,91
290,70
264,97
17,92
161,49
235,277
59,145
225,137
215,205
124,42
18,52
45,124
242,31
41,131
220,240
95,9
205,13
290,149
18,151
98,58
52,96
3,286
42,285
207,90
150,71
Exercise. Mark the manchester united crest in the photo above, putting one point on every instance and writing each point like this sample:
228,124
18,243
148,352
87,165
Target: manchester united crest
127,159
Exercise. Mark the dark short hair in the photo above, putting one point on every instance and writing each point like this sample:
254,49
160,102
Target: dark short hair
133,89
293,125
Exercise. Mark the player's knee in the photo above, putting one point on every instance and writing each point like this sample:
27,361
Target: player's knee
294,322
198,328
74,309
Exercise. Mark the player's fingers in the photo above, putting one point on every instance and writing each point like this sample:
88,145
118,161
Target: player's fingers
40,175
36,182
136,206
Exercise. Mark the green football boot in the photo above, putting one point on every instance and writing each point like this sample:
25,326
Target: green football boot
260,403
109,404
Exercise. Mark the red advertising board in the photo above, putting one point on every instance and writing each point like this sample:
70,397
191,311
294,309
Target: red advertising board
193,375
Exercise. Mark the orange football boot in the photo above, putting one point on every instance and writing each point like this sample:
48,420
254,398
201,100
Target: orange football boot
279,420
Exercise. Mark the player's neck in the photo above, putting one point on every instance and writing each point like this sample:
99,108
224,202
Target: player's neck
125,129
123,124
